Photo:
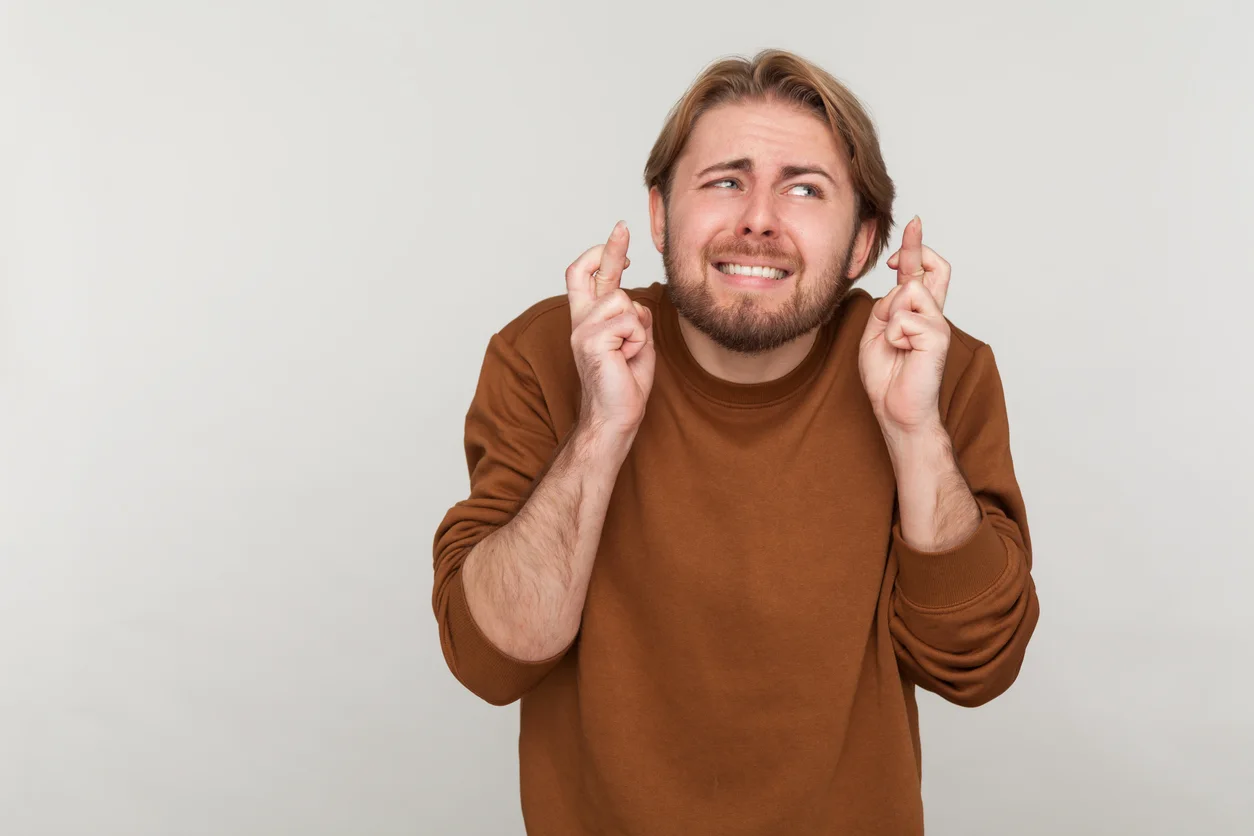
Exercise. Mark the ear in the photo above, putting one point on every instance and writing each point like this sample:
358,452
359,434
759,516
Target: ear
657,217
861,247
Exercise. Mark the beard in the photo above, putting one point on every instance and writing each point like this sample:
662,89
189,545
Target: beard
741,325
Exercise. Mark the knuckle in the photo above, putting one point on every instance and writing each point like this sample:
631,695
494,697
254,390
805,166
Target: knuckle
602,308
580,264
607,306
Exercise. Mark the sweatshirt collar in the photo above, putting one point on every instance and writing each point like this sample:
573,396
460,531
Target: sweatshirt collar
673,347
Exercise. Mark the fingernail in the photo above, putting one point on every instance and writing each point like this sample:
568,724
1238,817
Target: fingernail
618,229
916,218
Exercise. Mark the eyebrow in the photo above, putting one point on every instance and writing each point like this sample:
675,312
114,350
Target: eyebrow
787,172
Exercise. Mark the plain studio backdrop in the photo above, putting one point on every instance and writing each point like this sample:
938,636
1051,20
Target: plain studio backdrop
251,256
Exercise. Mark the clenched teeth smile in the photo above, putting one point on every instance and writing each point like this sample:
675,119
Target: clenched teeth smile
744,270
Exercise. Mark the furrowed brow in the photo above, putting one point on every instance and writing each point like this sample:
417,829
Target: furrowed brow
741,164
790,171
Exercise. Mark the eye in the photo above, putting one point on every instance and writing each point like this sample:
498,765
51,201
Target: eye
726,180
813,189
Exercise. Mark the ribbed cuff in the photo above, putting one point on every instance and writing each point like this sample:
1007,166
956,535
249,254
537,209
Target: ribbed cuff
954,576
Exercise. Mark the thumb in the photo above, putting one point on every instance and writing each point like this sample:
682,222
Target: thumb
645,359
646,315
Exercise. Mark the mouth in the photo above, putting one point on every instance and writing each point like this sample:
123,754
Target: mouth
748,273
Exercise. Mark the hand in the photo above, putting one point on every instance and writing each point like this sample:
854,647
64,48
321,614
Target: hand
611,337
903,349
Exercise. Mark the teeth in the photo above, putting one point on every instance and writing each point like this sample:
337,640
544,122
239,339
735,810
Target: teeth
743,270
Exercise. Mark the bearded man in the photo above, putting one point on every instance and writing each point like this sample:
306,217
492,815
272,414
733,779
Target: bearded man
721,527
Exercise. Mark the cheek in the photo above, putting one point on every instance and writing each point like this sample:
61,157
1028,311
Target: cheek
694,238
818,241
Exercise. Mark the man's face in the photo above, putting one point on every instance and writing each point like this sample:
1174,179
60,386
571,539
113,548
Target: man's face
760,184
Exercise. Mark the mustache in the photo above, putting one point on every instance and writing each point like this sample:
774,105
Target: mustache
767,253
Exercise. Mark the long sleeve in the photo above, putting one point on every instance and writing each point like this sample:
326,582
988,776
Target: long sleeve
509,440
961,619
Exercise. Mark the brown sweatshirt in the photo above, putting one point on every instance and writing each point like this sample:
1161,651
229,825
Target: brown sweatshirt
755,626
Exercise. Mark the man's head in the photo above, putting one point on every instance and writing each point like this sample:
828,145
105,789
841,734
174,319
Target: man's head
770,162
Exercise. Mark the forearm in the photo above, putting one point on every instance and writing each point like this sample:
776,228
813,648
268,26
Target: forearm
525,583
964,605
935,504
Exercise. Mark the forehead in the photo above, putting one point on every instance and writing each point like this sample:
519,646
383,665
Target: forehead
772,134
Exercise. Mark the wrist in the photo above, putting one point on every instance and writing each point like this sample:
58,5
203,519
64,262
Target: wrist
912,444
601,444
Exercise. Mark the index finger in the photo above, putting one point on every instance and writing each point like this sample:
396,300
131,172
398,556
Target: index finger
910,257
613,259
579,281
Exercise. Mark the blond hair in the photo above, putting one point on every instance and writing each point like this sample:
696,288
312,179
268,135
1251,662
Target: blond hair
784,76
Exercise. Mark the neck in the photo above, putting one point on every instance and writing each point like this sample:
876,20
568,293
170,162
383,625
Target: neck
735,367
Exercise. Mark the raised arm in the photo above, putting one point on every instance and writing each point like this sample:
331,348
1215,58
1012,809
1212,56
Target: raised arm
512,562
964,605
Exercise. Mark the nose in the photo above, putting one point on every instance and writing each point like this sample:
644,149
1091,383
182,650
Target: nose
760,218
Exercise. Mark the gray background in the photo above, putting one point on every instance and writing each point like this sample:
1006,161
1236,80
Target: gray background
250,257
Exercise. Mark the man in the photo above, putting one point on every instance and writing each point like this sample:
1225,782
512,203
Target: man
720,528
